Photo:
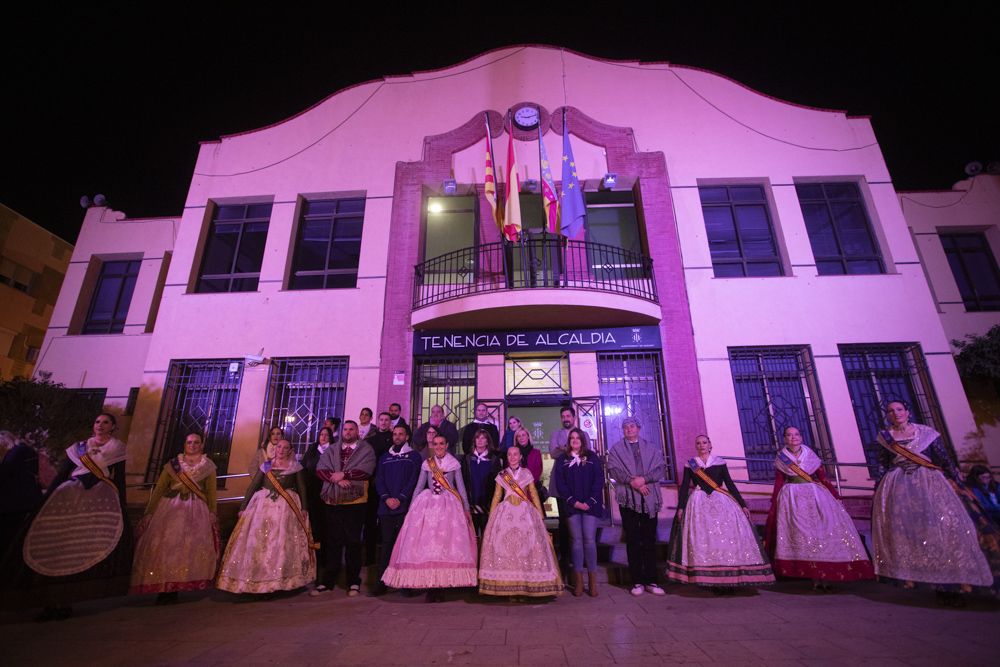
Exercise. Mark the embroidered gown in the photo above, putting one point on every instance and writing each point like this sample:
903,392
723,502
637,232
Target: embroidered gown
809,534
269,549
179,548
436,547
714,544
517,556
79,545
921,530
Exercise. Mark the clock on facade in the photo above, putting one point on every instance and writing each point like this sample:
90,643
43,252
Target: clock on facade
526,118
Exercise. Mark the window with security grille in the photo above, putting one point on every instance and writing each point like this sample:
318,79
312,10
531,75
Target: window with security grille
301,393
234,249
449,382
328,247
878,374
632,386
839,229
199,396
537,375
975,270
739,230
776,387
112,297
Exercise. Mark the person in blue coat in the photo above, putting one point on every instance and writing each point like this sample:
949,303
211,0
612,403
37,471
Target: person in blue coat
579,479
395,478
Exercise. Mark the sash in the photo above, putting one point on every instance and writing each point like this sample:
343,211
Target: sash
96,471
703,476
514,486
295,510
178,475
794,467
441,479
913,457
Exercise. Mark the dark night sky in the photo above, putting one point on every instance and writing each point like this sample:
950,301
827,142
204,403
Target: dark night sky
115,101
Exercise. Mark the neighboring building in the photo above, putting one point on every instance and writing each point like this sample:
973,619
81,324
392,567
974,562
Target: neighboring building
744,272
957,234
32,265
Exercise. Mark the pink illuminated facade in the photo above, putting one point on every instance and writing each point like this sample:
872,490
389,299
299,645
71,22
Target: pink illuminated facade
743,273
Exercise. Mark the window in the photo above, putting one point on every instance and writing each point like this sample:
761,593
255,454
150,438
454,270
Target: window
201,396
611,220
632,386
329,245
537,375
880,373
839,229
975,270
451,225
740,234
449,382
235,248
15,275
133,399
776,387
301,393
112,297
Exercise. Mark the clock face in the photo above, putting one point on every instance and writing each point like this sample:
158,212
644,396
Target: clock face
526,118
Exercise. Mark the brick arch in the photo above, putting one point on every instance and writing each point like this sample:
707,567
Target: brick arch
649,170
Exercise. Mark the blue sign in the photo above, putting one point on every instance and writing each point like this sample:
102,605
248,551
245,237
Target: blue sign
552,340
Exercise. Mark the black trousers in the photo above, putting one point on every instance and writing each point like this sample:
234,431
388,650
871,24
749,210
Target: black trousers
479,522
371,526
640,545
390,525
344,525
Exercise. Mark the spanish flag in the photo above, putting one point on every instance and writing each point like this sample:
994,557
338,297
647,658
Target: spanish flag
512,202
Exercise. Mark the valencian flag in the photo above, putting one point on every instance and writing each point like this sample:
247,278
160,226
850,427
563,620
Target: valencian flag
549,200
574,211
512,203
490,181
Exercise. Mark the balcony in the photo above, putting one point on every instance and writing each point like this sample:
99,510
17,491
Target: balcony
586,283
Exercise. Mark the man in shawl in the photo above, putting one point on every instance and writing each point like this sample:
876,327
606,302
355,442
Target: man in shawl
637,466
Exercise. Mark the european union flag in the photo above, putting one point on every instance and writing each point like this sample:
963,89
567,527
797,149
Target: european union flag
574,210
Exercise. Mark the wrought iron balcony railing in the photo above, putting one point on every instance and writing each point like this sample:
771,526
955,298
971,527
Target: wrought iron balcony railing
547,262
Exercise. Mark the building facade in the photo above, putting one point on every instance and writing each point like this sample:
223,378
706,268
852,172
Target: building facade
957,234
739,272
33,262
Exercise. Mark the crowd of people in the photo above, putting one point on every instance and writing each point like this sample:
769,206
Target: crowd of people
464,509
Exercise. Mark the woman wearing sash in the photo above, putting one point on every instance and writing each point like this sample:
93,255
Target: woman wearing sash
271,548
517,557
809,534
712,542
436,547
79,546
921,530
266,450
178,545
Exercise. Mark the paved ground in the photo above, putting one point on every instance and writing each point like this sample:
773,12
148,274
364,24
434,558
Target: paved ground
785,625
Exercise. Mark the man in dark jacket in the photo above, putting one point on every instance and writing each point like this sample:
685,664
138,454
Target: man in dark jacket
398,470
479,423
380,439
444,428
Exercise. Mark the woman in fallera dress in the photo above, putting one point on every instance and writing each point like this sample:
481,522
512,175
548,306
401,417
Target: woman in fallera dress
809,534
271,548
517,557
178,544
78,546
436,547
924,522
712,542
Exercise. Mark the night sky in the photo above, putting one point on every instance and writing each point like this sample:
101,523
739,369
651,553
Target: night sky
114,101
